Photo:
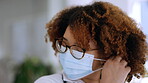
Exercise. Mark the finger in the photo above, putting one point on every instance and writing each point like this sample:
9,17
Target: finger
118,58
123,62
128,69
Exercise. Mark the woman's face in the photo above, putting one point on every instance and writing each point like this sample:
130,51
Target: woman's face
71,41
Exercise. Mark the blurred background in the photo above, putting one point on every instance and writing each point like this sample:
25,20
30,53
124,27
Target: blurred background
24,55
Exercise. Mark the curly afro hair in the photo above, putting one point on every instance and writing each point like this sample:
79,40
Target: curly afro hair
109,27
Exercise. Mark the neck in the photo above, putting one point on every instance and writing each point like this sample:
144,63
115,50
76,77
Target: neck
92,78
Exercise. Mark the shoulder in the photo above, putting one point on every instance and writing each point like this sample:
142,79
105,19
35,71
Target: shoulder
55,78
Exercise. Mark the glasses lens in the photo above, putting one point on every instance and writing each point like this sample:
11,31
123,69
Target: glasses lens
77,52
61,46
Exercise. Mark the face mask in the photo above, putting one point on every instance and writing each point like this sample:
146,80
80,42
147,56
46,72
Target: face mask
75,69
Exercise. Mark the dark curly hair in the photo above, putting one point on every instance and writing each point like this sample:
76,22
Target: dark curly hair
109,27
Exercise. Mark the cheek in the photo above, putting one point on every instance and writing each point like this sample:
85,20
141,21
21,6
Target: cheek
96,63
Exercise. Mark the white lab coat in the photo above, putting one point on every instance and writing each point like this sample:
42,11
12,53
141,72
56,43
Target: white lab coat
56,78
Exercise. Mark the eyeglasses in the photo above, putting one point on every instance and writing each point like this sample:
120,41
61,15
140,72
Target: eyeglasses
62,48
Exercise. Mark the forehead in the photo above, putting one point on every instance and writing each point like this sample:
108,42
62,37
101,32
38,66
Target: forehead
75,38
69,36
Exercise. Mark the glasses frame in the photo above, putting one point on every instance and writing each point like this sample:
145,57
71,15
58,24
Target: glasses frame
67,46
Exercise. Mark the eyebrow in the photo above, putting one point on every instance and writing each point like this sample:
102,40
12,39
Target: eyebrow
68,41
65,39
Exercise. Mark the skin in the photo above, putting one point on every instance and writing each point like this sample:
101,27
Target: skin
114,70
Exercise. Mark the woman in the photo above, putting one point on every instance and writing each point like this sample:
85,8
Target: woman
96,43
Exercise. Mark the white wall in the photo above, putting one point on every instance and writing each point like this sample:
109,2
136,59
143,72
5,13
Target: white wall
22,30
22,18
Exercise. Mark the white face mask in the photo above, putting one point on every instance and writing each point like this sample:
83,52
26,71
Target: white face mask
75,69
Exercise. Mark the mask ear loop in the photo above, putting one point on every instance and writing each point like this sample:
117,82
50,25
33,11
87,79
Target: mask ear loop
101,68
99,59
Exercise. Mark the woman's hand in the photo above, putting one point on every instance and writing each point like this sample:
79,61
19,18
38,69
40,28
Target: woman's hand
115,71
